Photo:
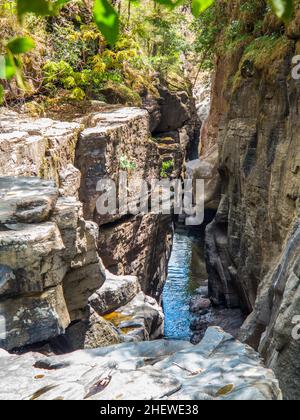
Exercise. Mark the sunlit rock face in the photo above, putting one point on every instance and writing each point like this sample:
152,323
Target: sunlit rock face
255,123
51,274
219,368
36,147
43,241
127,247
120,140
51,243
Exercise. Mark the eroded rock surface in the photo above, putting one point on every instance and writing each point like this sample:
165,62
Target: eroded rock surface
219,368
255,122
36,258
35,147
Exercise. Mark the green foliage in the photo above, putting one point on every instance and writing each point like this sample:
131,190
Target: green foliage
160,33
126,165
283,8
39,7
107,20
124,49
11,65
199,6
167,168
81,59
265,49
20,45
207,29
1,94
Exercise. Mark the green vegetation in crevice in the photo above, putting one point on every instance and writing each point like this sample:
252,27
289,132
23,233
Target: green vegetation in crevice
126,164
167,168
262,54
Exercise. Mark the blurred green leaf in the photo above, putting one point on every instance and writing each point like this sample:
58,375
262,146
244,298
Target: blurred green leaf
38,7
2,68
283,8
1,94
10,66
20,45
107,20
199,6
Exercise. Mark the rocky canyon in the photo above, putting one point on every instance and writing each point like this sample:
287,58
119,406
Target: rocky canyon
127,305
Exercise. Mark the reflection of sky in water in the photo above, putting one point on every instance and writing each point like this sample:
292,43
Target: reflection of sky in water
186,271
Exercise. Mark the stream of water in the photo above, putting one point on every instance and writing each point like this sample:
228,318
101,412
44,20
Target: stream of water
187,272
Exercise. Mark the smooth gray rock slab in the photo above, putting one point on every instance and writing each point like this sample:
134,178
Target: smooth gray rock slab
219,369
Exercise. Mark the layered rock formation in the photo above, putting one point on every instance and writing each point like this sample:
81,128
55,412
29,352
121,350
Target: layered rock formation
42,238
56,250
161,370
255,121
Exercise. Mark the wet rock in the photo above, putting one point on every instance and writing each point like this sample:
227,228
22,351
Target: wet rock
202,291
197,337
198,324
219,368
223,281
198,303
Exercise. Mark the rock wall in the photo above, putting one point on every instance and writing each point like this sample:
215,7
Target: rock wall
68,274
254,119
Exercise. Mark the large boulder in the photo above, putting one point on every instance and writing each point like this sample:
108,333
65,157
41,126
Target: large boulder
49,264
92,333
116,291
141,319
206,169
175,111
34,318
34,254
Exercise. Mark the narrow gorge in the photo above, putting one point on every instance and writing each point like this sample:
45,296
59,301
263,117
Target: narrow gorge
140,305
